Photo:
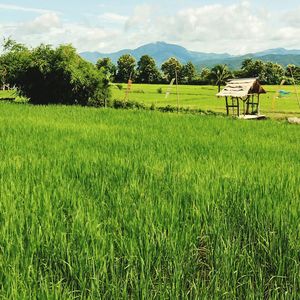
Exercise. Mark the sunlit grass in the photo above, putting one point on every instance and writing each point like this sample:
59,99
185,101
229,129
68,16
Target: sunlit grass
112,204
204,97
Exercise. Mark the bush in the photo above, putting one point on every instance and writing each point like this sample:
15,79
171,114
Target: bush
60,76
139,91
159,90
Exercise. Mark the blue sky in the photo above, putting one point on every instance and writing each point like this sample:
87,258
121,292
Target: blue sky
211,26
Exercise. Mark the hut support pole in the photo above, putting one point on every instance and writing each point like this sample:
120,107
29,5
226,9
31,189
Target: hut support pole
227,108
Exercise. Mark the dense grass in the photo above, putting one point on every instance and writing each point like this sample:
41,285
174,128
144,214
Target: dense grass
204,97
109,204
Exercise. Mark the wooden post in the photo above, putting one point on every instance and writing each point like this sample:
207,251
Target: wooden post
247,105
176,78
227,109
295,87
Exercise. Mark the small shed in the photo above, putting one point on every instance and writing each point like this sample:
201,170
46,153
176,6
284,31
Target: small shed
245,93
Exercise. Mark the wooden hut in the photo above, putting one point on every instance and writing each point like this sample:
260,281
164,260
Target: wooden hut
242,93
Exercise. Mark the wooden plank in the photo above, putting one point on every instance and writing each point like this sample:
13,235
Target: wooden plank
252,117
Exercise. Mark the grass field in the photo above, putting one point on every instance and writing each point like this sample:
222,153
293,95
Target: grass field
204,97
114,204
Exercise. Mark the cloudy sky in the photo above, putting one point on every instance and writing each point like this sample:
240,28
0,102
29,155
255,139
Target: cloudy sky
230,26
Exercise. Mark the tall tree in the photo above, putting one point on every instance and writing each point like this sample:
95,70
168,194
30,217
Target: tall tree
188,73
219,75
170,67
254,69
126,68
107,67
274,73
291,72
205,76
147,71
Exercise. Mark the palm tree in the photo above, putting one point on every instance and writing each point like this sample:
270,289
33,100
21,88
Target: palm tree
219,74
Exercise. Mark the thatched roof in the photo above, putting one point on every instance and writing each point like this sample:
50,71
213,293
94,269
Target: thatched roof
242,88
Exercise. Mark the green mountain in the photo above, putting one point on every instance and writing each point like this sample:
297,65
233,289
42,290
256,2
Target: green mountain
161,51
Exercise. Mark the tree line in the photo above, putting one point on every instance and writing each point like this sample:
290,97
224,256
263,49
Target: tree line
46,75
146,71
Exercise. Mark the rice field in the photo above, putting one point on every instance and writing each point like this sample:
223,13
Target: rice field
204,97
112,204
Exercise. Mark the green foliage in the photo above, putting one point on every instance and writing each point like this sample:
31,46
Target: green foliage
170,67
160,90
106,66
46,75
188,73
292,74
106,204
266,72
126,68
219,75
147,71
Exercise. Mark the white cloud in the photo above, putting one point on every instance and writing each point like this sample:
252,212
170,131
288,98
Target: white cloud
113,18
236,28
142,17
23,8
42,24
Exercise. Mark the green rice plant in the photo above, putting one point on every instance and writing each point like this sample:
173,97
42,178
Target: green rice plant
129,204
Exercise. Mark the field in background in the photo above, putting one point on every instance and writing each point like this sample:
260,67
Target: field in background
204,97
115,204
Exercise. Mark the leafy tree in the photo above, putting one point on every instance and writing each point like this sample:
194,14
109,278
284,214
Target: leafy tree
219,74
107,67
254,69
291,72
170,67
205,76
274,73
147,71
266,72
46,75
126,68
188,73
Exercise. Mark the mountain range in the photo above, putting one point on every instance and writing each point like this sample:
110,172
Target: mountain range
161,51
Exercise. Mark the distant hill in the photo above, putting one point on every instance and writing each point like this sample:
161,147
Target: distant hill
161,51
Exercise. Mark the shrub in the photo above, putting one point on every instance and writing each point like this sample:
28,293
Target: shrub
159,90
45,75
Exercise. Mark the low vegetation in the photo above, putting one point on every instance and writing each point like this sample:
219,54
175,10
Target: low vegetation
109,204
204,98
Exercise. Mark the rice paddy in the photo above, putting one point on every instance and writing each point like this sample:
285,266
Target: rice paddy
112,204
204,97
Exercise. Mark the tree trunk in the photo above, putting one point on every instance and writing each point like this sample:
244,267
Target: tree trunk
219,88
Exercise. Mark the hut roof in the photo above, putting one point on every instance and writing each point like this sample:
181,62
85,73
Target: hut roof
242,88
